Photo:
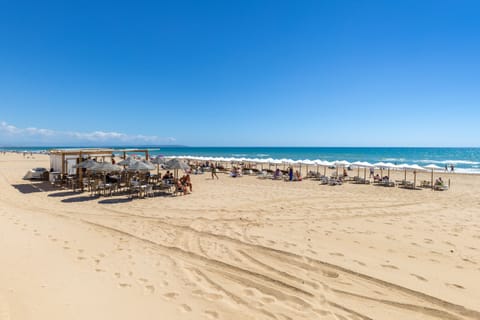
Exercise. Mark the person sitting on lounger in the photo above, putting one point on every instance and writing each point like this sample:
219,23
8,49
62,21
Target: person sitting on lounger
439,182
235,172
277,174
298,177
345,174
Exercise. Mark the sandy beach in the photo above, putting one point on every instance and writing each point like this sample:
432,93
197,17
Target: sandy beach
239,248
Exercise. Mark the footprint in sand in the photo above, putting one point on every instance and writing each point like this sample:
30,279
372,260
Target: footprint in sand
186,308
212,314
336,254
248,292
330,274
359,262
267,299
124,285
171,295
418,277
150,288
454,285
389,266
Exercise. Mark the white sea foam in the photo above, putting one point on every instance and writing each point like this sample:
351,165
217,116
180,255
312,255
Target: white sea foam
454,162
394,159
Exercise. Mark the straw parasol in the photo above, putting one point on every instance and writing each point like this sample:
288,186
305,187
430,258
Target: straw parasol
364,165
159,160
415,168
127,162
105,167
141,166
86,164
176,164
342,163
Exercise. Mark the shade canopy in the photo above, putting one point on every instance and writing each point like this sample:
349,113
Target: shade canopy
141,166
86,164
127,162
159,160
176,164
105,167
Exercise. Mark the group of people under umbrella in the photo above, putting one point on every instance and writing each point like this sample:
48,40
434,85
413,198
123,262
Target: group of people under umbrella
131,169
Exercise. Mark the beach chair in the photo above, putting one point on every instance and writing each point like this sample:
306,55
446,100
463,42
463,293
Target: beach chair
149,190
440,187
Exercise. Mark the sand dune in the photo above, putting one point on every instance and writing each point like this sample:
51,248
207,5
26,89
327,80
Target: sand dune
239,249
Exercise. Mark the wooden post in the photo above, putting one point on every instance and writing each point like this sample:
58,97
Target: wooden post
80,171
146,154
63,163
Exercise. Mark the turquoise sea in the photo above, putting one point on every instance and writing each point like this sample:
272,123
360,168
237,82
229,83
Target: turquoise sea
465,160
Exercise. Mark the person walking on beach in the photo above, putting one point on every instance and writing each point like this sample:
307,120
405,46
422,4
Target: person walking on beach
446,167
452,167
214,172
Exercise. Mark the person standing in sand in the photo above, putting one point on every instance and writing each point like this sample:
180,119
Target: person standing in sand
214,172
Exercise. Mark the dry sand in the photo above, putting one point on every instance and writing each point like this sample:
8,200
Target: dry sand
239,248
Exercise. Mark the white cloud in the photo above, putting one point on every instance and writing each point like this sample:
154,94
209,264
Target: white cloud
11,134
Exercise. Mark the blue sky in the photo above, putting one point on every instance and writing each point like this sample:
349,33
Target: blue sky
240,73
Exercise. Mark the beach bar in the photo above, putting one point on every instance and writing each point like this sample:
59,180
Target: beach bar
63,161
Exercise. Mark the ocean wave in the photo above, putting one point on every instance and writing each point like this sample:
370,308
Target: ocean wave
454,162
262,155
467,170
394,159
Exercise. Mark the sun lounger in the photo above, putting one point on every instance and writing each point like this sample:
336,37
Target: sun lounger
440,187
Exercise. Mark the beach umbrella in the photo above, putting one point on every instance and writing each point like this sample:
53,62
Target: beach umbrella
159,160
364,165
415,168
381,166
325,164
141,166
405,167
105,167
389,166
358,165
342,163
176,164
432,167
86,164
127,162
